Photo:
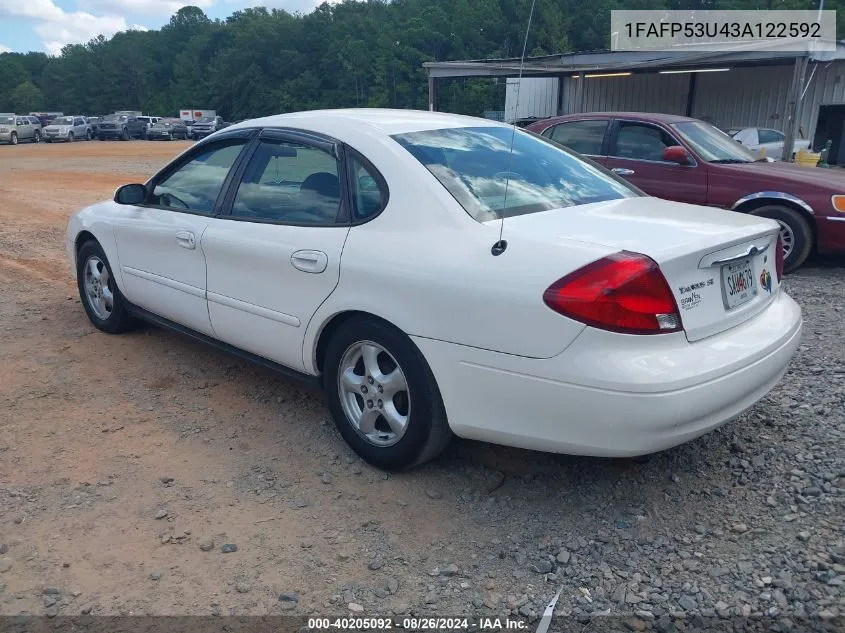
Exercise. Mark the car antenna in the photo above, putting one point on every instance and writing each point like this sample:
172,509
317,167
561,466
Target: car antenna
500,246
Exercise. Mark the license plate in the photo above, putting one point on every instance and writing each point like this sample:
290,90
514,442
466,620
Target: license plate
738,283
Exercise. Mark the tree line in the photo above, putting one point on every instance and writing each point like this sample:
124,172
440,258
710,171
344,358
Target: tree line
357,53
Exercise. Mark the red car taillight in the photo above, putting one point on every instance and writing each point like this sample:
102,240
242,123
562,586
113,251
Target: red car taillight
624,292
779,259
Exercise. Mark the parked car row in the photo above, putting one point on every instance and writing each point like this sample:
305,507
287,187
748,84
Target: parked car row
123,125
688,160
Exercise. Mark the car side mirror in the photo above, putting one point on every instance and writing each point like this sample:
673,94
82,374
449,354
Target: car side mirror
677,154
130,194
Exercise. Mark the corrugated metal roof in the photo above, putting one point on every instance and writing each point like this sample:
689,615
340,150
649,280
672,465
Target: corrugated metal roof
757,54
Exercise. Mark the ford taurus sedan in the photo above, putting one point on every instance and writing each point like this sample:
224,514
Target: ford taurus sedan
360,250
687,160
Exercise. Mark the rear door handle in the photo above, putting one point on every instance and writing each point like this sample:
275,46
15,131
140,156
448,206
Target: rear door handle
310,261
186,239
623,171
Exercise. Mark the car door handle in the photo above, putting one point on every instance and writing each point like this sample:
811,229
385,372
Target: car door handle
622,171
186,239
310,261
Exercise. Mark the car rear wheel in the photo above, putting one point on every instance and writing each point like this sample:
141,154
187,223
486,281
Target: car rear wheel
101,298
88,135
13,139
795,233
382,395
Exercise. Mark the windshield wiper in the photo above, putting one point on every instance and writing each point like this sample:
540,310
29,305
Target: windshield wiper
730,161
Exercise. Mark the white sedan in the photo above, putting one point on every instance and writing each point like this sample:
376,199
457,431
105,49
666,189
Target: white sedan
360,250
766,141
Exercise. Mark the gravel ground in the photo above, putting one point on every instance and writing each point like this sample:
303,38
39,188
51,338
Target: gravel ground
146,474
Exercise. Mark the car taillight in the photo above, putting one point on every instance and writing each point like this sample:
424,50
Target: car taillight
624,292
779,259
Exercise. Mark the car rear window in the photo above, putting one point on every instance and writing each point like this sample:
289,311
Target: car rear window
476,165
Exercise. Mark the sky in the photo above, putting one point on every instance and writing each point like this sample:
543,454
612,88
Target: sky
47,25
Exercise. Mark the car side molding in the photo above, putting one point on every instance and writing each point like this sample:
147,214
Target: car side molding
300,379
774,195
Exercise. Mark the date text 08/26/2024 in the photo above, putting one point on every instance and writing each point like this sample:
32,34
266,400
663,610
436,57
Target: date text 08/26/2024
416,624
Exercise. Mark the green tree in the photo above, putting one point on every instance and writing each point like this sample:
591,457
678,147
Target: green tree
27,97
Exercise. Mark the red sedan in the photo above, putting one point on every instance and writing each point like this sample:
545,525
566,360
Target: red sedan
688,160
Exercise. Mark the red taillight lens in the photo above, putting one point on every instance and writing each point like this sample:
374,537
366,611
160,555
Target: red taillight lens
779,259
624,292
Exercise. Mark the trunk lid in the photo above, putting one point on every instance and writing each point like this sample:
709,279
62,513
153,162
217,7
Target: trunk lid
719,264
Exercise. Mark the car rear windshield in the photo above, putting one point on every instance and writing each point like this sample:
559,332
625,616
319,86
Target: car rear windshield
476,165
63,120
7,119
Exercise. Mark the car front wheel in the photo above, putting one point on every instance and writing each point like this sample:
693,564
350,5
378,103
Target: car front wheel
36,138
13,139
795,233
101,298
382,395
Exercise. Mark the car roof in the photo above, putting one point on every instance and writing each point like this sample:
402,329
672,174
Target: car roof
386,121
654,117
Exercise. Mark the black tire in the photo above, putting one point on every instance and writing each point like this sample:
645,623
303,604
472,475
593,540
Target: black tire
70,137
101,138
88,135
13,138
124,136
119,319
47,140
36,138
427,432
801,230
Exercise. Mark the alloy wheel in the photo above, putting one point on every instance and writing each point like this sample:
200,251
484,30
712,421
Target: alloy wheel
99,291
374,393
787,238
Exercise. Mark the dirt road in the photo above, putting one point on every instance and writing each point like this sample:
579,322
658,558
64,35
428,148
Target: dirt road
128,462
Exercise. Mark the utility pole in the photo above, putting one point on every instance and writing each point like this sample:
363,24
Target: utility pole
797,90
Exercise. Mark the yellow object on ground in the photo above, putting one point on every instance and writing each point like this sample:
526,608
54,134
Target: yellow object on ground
806,158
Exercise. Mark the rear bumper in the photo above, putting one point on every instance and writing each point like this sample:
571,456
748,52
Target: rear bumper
615,395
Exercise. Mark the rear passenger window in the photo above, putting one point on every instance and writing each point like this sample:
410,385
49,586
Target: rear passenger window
584,137
369,192
770,136
289,182
642,142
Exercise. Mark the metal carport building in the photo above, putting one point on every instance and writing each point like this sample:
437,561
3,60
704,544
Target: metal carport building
753,87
